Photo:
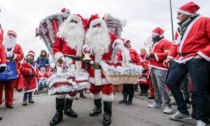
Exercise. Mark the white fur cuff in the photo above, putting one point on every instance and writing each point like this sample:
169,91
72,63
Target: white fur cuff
108,98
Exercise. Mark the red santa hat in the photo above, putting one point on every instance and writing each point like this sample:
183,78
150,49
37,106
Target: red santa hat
189,8
12,32
93,20
32,53
158,31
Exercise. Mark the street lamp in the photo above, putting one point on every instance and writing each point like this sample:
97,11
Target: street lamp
172,27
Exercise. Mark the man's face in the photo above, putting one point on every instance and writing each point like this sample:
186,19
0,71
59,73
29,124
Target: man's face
128,44
11,35
182,17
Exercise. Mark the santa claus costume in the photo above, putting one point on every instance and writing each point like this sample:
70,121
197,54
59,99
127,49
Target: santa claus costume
133,57
69,43
100,40
29,72
2,56
145,79
13,53
159,53
191,53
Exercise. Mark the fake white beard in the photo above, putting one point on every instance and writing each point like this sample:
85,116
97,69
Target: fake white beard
73,34
99,40
9,42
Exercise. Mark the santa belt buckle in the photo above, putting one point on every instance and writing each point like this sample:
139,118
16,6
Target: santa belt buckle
75,58
95,66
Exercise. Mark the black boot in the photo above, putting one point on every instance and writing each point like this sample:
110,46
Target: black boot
82,94
1,118
130,98
59,113
193,110
124,100
97,109
107,113
68,108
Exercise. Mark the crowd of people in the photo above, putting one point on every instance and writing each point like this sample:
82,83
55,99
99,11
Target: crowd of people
167,65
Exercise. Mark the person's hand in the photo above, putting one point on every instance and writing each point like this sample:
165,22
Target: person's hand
147,56
198,57
152,55
2,69
9,54
166,62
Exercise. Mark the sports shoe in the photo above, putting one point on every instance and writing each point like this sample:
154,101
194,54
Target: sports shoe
167,109
200,123
178,116
155,105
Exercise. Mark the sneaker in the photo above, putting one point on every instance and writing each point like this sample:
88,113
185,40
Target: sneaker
167,109
31,100
200,123
155,105
24,103
178,116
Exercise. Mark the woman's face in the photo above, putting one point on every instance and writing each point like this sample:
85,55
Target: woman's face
43,53
143,51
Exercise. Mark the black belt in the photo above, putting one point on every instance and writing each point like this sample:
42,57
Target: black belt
75,58
183,54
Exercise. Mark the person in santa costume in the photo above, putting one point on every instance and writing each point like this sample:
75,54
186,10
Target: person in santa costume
100,40
145,79
2,56
13,53
190,52
133,57
29,72
69,43
159,53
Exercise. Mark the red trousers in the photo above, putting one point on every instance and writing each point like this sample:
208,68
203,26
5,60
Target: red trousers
151,89
9,91
106,89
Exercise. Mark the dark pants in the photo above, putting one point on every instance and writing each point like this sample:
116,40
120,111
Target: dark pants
27,95
128,89
144,88
198,71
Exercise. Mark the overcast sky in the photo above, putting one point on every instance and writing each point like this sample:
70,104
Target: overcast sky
142,16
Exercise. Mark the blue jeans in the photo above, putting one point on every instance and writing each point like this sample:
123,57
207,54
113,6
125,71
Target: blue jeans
27,95
198,70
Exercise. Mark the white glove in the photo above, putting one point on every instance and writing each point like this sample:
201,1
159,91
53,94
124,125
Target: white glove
9,54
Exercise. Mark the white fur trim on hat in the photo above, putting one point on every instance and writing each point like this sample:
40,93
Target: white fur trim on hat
76,18
116,41
185,12
96,21
58,55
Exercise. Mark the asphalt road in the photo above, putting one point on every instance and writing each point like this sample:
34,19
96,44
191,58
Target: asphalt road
41,112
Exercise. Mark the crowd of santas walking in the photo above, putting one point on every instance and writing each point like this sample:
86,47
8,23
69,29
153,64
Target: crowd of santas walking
166,66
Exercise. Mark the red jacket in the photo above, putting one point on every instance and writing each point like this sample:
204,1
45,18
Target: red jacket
194,42
61,46
95,75
2,55
160,50
29,73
